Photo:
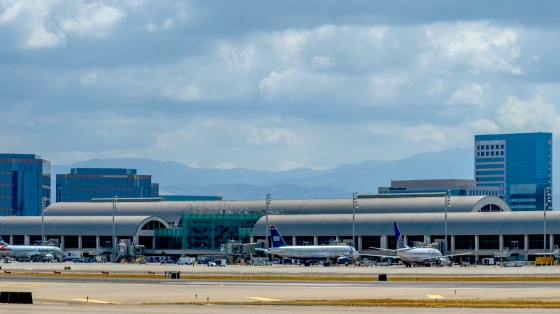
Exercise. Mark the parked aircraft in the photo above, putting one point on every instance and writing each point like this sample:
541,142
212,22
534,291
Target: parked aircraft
308,252
28,250
422,255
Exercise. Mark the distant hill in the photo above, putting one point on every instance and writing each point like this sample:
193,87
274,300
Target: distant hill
251,192
239,183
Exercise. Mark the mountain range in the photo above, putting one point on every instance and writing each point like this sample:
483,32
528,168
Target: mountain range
339,182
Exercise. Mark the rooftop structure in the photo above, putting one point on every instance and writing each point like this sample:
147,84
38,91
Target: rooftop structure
462,187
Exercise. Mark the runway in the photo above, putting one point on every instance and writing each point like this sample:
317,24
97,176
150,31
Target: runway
49,290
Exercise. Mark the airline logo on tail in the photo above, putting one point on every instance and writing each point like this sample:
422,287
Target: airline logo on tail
399,238
277,240
2,243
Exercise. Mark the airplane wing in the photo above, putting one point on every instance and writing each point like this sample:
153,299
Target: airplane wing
382,256
262,250
378,248
469,253
446,256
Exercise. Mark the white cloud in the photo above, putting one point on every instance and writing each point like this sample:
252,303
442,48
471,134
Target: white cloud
92,19
224,165
46,24
269,136
321,62
476,45
89,78
471,95
527,116
177,19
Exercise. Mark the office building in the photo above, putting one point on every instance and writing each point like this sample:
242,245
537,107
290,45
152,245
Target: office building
454,186
520,165
24,180
84,184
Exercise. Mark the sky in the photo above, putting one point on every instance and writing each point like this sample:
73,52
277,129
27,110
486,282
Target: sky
272,85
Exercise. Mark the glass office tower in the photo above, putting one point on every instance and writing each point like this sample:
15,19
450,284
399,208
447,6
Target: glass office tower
24,180
83,184
519,164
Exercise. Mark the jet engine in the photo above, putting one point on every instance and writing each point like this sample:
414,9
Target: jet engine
442,261
49,257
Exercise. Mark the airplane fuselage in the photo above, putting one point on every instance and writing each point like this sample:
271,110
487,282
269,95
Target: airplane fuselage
418,255
313,252
27,250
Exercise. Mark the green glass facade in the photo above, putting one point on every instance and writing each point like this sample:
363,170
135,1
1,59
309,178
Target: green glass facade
207,231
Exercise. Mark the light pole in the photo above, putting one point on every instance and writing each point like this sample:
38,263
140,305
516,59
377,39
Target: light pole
267,210
447,205
547,201
114,236
354,207
43,221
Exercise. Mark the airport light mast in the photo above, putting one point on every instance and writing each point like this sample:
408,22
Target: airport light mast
43,210
447,205
354,207
268,207
547,201
114,236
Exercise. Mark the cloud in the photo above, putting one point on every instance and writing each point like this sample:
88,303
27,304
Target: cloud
46,24
92,20
224,165
531,115
471,95
269,136
177,19
477,46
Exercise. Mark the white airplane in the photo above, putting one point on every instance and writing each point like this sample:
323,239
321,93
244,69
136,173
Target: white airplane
422,255
309,252
28,250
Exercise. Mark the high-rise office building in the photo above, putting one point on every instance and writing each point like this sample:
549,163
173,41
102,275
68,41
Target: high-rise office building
83,184
519,164
24,180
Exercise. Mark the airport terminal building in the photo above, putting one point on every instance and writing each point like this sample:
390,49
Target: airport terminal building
482,225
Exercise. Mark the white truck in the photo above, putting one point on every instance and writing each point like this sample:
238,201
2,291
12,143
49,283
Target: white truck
72,254
186,260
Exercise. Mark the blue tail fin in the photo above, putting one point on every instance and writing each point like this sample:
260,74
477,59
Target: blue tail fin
399,238
2,241
277,240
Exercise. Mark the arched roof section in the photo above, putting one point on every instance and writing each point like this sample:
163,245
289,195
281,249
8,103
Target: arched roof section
75,225
171,211
473,223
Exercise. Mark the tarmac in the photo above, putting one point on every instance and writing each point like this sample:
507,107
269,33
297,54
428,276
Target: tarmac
283,269
131,291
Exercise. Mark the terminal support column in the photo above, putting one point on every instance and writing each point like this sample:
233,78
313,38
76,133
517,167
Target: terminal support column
26,240
97,242
252,239
551,242
294,242
360,243
526,246
62,242
315,240
383,242
79,242
428,239
11,239
501,242
452,244
476,246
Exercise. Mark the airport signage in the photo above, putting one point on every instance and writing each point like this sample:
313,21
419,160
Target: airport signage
489,142
397,189
114,176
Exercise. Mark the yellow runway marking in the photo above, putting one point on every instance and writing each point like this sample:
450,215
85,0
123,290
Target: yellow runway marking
37,285
434,296
262,299
94,301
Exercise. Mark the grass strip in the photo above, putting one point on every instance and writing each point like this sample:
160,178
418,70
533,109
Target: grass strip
393,303
293,277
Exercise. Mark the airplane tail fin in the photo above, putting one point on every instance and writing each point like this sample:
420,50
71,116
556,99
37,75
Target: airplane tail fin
2,242
277,240
399,238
